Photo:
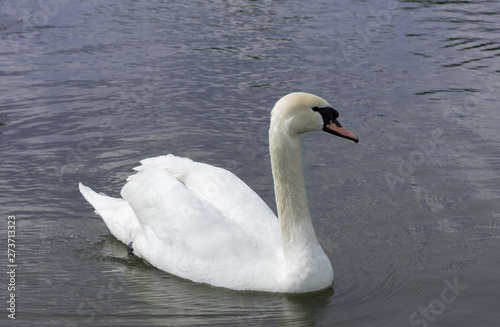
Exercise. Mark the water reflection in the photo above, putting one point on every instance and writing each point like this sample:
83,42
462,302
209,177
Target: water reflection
170,300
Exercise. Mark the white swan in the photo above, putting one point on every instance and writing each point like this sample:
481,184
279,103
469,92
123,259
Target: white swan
203,223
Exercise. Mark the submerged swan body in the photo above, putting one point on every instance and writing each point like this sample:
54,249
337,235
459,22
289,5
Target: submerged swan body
203,223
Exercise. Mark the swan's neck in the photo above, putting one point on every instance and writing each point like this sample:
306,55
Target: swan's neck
297,232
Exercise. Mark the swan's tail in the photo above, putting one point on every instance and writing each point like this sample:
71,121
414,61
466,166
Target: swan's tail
116,213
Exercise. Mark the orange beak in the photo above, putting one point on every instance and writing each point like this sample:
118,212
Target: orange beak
335,128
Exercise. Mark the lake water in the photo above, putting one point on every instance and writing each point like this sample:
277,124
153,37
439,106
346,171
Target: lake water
409,216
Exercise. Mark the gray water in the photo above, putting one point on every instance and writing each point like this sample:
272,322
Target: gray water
409,216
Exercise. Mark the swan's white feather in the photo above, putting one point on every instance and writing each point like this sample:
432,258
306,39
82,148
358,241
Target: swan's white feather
196,226
116,213
225,191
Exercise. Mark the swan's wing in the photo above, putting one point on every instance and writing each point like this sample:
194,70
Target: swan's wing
116,213
188,236
224,191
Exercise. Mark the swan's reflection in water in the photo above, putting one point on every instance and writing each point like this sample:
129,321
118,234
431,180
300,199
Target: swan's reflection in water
168,300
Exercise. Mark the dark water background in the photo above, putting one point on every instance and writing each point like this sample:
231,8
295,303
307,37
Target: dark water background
409,217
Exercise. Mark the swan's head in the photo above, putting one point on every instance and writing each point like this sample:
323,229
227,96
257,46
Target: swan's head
299,113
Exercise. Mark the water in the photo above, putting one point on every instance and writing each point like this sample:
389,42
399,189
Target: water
409,217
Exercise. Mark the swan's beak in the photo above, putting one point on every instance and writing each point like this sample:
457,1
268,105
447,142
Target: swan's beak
335,128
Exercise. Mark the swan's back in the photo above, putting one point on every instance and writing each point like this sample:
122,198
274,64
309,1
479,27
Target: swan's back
222,189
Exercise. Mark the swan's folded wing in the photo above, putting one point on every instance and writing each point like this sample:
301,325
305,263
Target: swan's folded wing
188,236
224,191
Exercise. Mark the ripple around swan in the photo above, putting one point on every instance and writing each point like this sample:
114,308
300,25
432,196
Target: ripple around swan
185,303
378,298
170,297
365,297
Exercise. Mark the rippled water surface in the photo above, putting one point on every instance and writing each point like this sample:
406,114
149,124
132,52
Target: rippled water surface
409,217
